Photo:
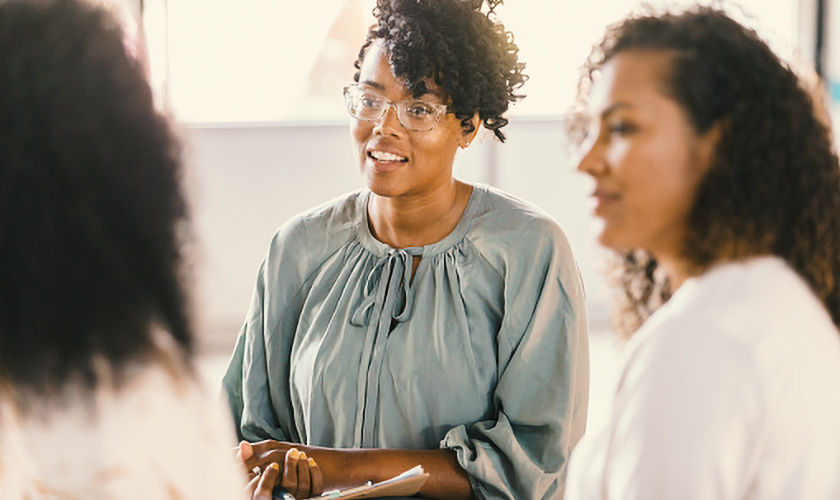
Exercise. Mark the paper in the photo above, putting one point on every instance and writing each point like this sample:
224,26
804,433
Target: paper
404,485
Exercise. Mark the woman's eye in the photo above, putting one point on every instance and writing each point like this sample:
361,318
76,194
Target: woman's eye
419,109
621,128
368,101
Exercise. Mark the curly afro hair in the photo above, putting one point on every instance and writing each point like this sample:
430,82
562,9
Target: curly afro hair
91,210
465,51
774,185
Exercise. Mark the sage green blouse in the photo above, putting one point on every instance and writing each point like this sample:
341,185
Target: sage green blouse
483,351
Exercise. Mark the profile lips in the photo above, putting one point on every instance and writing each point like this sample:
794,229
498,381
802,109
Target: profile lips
598,193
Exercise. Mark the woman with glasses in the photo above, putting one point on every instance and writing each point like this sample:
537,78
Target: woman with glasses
421,320
718,187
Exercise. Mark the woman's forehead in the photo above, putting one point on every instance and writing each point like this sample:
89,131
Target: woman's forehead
377,72
630,76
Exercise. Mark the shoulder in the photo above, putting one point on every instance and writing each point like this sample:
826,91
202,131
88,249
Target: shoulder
754,301
112,440
513,234
754,321
502,215
505,224
306,240
334,220
718,368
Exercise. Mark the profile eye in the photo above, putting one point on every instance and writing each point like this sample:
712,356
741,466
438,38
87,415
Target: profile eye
621,128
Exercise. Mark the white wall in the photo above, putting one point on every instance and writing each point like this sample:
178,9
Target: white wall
245,181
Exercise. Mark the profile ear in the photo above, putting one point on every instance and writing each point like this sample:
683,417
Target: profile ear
709,141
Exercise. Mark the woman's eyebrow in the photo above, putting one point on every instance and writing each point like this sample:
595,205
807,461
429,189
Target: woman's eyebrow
615,107
371,83
380,87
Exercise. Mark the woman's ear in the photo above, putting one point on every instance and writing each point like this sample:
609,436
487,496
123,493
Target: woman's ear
709,141
468,137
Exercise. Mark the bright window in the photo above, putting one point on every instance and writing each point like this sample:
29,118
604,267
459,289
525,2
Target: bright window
280,60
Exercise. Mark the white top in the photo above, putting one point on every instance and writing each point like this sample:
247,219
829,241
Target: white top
157,437
729,391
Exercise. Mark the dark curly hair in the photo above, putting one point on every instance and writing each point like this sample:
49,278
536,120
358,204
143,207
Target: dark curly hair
91,212
774,185
467,52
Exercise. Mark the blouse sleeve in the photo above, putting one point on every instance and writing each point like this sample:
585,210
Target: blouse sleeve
543,378
261,405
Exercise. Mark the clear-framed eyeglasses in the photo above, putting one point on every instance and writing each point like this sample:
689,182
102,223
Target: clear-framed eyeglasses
413,114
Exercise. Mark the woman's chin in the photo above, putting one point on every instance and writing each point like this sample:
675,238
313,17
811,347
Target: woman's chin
614,240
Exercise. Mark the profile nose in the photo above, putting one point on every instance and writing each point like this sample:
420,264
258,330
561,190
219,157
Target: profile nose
388,123
591,160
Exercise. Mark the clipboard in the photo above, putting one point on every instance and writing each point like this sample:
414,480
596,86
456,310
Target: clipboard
404,485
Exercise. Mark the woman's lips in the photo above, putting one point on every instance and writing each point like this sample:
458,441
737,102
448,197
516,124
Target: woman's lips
384,156
385,161
603,200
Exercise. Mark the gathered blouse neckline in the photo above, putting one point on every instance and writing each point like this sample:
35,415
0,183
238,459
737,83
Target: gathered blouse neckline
369,241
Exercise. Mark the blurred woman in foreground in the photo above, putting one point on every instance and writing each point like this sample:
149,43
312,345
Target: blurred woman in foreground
98,396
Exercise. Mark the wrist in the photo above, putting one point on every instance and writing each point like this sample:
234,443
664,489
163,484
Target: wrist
339,469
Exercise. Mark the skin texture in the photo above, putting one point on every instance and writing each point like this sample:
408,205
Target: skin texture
646,159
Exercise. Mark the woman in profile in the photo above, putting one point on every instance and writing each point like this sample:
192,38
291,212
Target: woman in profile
716,183
98,395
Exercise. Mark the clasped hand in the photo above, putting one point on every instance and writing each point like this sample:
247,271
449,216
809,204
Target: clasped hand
269,463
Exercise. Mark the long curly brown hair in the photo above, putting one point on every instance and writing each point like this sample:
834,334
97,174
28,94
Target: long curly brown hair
774,186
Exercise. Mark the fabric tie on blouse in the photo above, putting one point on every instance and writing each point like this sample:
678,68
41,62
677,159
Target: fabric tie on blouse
386,298
392,275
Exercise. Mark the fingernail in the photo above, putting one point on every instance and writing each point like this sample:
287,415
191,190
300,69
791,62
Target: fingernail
312,462
275,466
293,453
302,455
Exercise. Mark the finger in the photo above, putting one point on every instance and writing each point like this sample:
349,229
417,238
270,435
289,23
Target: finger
251,487
290,483
244,451
316,477
265,459
266,482
303,477
265,445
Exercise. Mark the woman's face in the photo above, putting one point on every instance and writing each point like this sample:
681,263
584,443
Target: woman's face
422,164
644,155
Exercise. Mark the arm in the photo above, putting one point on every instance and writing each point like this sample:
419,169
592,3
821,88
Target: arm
261,407
246,382
540,399
344,468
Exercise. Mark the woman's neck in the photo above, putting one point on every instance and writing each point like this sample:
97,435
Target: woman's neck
403,222
676,269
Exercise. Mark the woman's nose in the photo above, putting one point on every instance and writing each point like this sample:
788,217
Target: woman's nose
388,123
592,160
